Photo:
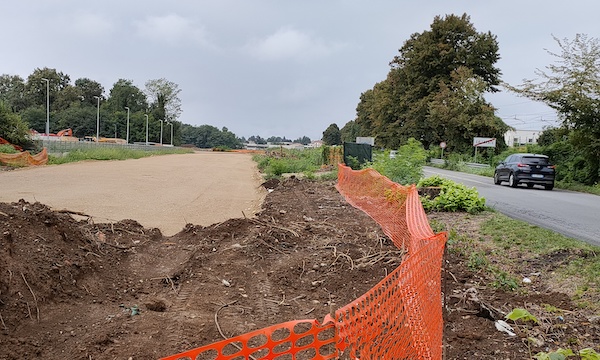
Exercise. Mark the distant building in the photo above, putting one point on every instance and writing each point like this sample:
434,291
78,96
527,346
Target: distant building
521,137
315,144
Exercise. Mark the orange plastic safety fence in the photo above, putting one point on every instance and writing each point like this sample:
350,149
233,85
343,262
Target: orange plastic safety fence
404,311
302,339
399,318
25,158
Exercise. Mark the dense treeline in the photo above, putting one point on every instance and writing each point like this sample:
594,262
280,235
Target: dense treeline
78,105
434,90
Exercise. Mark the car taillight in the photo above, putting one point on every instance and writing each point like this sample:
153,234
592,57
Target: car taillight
552,167
522,165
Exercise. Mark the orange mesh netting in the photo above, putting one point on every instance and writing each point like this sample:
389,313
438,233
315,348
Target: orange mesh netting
399,318
304,339
25,158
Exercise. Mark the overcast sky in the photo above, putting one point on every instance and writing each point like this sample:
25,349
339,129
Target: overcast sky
274,67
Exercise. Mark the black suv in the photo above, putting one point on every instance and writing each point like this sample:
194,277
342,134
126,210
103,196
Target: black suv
530,169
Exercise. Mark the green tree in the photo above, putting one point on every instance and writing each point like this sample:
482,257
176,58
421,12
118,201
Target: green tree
459,112
350,131
35,88
571,86
125,94
207,136
12,127
304,140
257,139
35,117
164,99
12,92
80,118
398,108
87,89
407,167
332,135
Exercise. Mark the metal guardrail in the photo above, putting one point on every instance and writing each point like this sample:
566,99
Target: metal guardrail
65,146
476,165
472,165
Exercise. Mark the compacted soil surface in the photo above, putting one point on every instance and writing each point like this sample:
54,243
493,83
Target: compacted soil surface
74,288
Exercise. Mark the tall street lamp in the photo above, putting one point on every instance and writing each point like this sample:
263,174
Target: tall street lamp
146,115
127,124
170,123
161,131
98,120
47,106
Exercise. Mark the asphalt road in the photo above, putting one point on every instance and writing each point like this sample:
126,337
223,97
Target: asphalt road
572,214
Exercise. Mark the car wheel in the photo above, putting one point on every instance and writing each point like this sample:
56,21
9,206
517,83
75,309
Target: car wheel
549,187
497,179
512,182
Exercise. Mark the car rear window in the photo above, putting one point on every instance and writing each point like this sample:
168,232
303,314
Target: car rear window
534,160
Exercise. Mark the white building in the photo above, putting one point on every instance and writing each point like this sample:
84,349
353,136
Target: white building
521,137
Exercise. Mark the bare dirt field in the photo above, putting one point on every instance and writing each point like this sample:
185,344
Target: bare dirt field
79,287
165,192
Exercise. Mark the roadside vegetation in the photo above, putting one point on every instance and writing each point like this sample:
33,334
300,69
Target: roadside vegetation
7,149
310,163
499,247
506,251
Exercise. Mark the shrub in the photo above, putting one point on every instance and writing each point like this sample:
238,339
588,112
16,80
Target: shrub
452,197
7,149
407,167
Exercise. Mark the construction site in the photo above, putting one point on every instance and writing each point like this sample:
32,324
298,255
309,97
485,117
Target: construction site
319,270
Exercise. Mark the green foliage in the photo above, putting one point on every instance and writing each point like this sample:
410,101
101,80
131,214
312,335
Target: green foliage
350,131
477,261
521,314
353,162
207,137
504,280
164,99
460,112
407,167
562,354
572,87
583,260
434,90
332,135
7,149
453,196
285,161
12,127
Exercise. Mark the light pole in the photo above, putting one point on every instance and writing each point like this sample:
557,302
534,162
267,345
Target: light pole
146,115
98,120
47,106
127,124
170,123
161,131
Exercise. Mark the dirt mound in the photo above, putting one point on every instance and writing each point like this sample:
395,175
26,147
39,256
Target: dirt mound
75,289
72,288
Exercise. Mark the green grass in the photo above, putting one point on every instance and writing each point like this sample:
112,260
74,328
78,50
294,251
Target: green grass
284,161
573,258
501,251
510,234
110,154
